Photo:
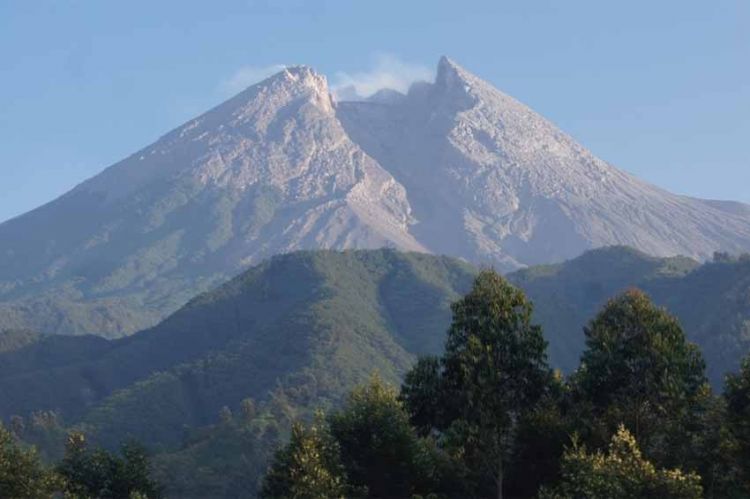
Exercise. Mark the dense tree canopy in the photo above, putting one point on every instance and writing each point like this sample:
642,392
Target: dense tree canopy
82,474
300,331
489,417
737,396
621,473
309,466
381,451
22,474
485,418
493,372
639,370
100,474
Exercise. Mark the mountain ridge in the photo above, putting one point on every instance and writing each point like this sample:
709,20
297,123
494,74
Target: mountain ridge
453,167
298,331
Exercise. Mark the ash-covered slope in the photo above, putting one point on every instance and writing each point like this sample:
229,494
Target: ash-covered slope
490,180
267,172
455,167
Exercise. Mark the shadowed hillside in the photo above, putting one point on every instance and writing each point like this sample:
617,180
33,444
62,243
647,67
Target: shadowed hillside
310,324
712,301
224,376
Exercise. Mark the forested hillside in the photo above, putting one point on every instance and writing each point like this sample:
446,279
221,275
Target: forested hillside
484,417
712,301
292,334
213,389
489,418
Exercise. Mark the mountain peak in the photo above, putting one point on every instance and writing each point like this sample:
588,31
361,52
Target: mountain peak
301,73
447,64
449,73
454,86
296,76
454,167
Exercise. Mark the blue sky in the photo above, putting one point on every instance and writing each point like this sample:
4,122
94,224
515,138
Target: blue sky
658,88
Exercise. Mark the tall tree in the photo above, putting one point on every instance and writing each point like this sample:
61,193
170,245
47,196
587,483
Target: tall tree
308,467
421,393
639,370
541,437
381,451
494,370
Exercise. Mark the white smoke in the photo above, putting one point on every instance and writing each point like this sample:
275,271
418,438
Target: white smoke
388,71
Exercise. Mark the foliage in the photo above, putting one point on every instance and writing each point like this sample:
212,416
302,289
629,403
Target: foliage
541,437
737,397
222,460
381,452
370,447
421,392
301,330
639,370
44,430
22,474
101,474
308,467
621,473
494,371
712,301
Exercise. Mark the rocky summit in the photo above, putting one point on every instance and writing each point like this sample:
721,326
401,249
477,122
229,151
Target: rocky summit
453,167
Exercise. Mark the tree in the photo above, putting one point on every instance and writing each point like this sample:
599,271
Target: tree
366,449
44,430
225,415
308,467
22,474
621,473
17,425
737,397
100,474
381,452
638,369
541,437
421,394
712,447
493,372
248,409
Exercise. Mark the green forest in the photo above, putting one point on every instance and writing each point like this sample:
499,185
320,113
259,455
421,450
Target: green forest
326,374
489,418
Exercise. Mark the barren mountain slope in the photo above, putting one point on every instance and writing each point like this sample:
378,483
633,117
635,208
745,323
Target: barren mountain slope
267,172
492,181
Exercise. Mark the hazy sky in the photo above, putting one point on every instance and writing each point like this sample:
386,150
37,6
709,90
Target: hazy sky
659,88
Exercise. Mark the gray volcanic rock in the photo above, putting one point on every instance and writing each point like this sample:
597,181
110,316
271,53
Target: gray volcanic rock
490,180
454,167
269,171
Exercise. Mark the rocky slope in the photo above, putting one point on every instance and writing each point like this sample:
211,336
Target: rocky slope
455,167
270,171
490,180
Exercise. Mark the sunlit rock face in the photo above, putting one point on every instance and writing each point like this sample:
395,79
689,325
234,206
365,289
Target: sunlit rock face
490,180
